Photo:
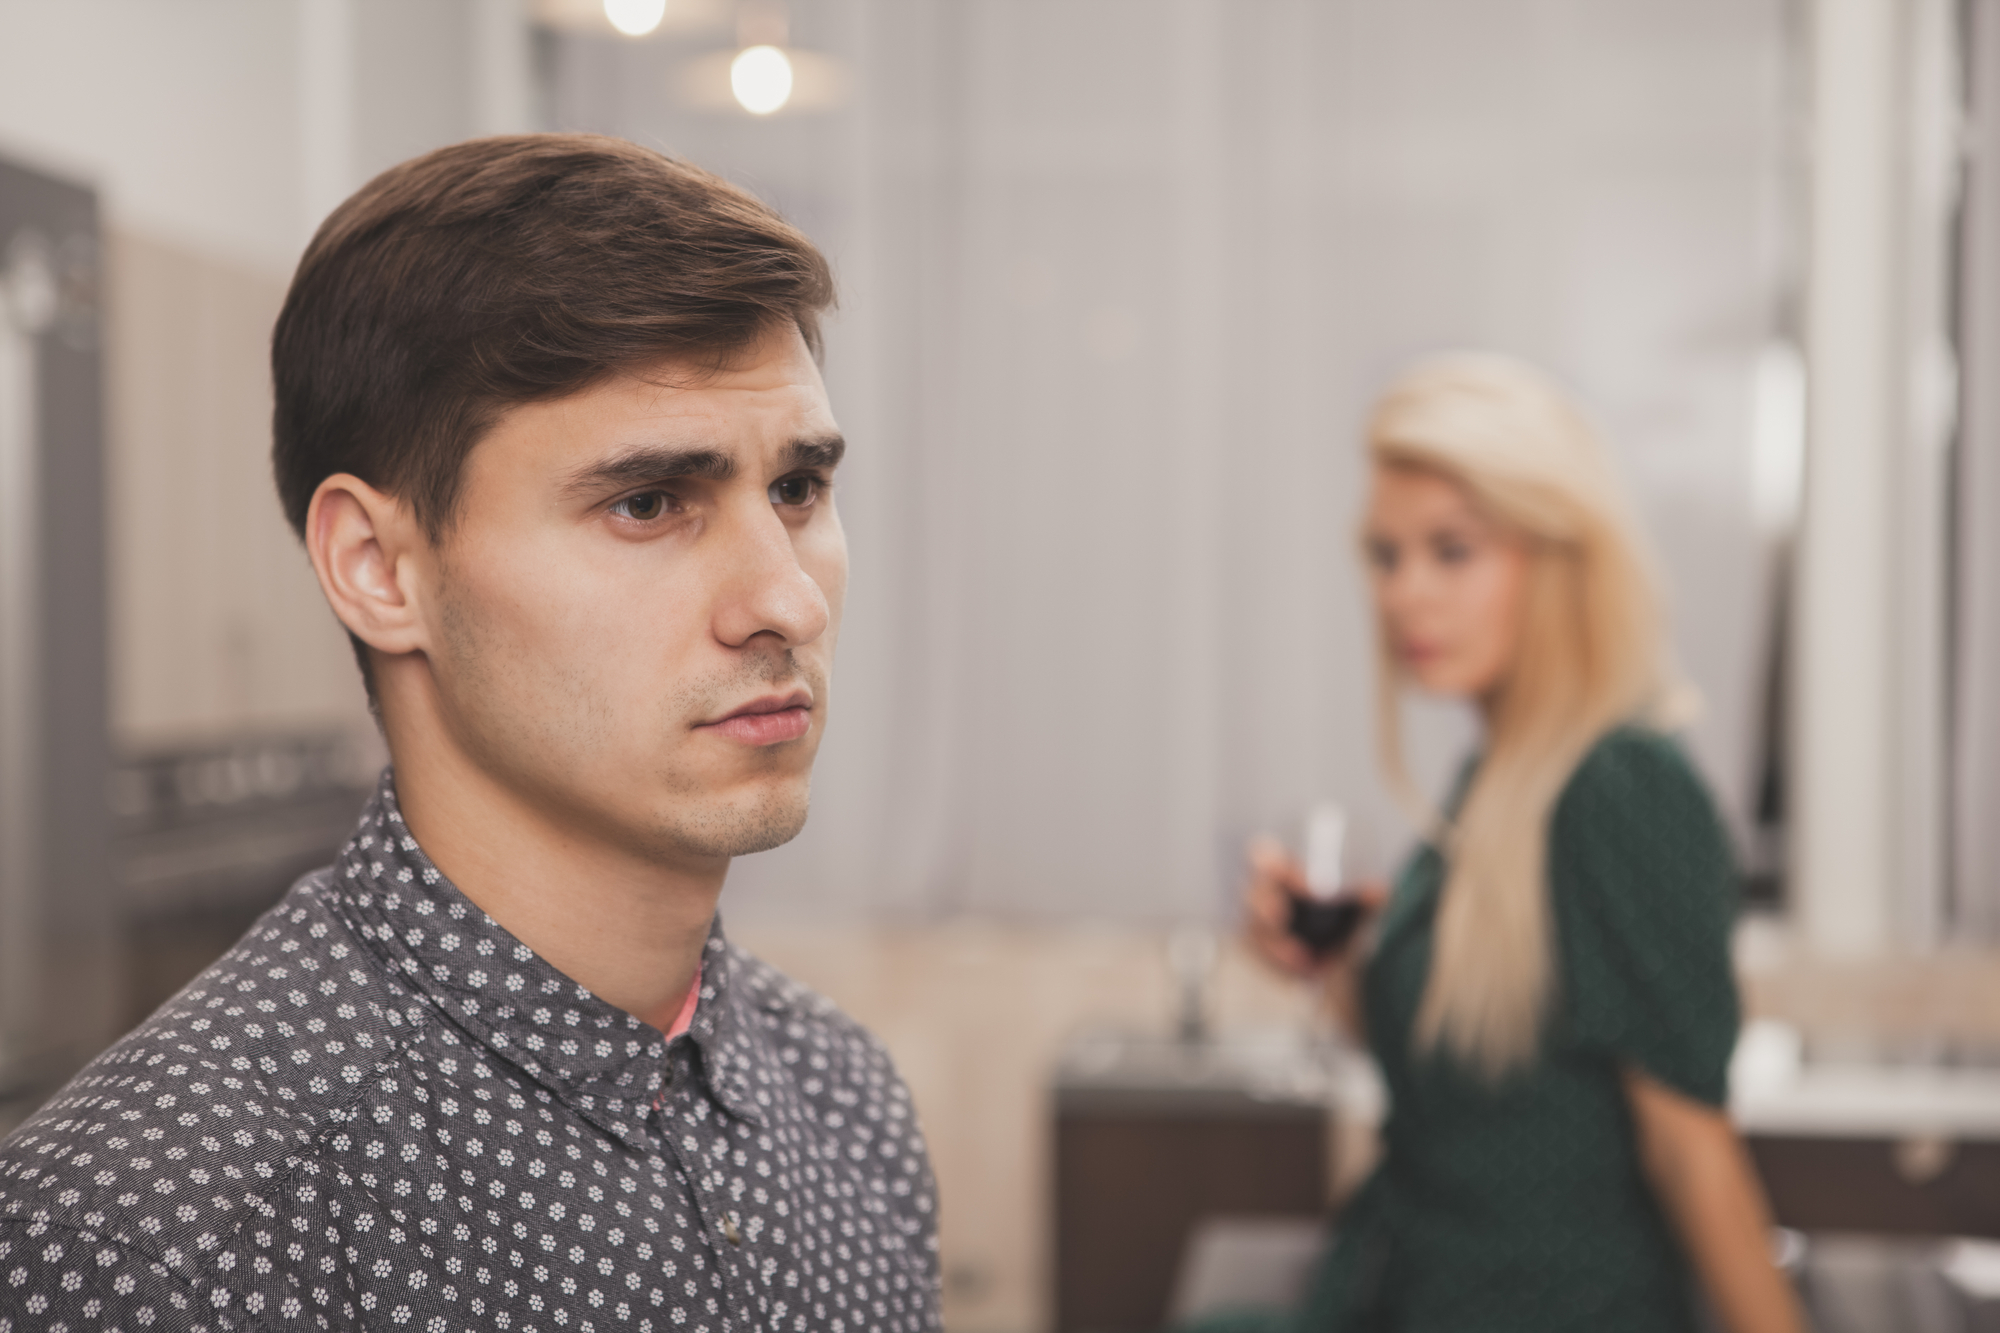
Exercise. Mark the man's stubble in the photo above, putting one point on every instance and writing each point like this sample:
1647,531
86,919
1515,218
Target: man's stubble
534,727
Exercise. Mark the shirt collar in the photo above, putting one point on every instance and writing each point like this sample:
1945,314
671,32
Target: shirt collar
596,1057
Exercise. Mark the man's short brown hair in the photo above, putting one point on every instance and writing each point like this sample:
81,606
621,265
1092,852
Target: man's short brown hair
504,271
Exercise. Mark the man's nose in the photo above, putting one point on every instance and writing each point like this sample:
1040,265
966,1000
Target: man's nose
764,589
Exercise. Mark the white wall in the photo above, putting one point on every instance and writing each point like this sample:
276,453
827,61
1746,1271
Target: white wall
184,115
1119,279
1976,707
218,133
204,122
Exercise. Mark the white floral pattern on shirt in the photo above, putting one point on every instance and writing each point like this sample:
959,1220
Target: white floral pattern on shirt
382,1111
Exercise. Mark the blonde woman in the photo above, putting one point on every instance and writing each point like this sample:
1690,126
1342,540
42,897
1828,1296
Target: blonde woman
1549,990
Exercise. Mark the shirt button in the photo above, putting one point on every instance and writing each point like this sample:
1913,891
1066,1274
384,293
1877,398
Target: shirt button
729,1231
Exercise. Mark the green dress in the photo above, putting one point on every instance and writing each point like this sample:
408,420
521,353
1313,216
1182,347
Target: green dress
1522,1205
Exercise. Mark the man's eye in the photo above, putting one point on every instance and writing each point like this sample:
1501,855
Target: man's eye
1451,551
795,491
644,506
1382,555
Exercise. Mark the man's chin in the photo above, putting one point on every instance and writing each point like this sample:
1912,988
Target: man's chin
771,819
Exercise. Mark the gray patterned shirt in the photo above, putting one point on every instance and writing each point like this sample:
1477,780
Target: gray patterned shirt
382,1111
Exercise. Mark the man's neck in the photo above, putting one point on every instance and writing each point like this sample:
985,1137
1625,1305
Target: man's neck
626,928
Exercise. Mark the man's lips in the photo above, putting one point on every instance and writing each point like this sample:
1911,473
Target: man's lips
771,720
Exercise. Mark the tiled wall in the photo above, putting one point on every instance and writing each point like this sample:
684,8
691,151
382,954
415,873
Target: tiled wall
216,622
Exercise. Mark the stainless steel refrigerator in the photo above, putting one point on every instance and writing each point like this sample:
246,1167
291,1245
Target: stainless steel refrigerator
58,983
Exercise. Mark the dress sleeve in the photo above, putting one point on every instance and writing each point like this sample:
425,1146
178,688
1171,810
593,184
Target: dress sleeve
1644,891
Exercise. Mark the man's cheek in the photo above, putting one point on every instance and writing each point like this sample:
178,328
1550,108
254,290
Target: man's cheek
831,576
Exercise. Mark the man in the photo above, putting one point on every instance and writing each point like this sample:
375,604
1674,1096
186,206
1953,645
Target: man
550,424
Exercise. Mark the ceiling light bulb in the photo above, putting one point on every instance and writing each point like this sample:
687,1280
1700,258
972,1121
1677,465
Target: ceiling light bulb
761,78
635,18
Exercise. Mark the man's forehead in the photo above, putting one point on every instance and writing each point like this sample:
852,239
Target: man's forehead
722,407
670,403
776,358
782,384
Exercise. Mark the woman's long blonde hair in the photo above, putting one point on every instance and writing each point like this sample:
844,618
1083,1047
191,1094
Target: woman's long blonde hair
1591,654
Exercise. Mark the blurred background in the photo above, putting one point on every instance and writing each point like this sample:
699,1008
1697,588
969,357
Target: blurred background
1118,281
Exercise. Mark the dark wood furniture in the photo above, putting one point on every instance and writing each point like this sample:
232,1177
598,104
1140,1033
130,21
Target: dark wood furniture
1147,1146
1909,1187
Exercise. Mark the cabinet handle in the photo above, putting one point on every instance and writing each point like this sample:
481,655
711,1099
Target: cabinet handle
1922,1158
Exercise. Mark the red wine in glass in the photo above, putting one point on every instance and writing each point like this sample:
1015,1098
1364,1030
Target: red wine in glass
1324,918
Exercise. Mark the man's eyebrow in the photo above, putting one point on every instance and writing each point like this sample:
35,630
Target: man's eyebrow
818,451
650,463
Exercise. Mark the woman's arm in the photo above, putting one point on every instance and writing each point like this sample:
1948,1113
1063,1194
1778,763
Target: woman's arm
1702,1176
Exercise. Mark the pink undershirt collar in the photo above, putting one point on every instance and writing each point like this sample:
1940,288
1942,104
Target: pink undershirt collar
686,1015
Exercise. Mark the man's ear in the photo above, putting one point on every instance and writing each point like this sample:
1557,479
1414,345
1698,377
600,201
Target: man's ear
367,550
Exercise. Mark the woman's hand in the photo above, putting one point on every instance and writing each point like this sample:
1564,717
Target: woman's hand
1276,880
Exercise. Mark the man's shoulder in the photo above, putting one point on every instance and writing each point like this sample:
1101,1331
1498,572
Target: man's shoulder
785,1004
195,1117
825,1051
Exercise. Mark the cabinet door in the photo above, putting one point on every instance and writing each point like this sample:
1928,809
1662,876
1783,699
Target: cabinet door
1131,1185
1924,1187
